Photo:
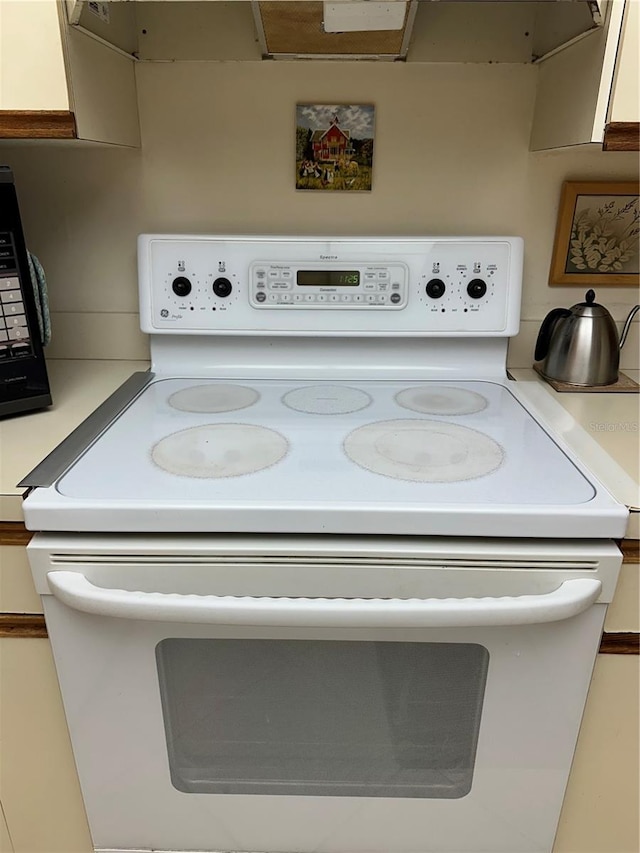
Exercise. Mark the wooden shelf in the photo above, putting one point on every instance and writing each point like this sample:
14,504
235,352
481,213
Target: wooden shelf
23,625
37,124
14,533
622,136
630,550
620,643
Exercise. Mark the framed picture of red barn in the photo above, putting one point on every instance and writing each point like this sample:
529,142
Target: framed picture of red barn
334,147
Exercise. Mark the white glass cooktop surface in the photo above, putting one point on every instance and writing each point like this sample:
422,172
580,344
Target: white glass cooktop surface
253,443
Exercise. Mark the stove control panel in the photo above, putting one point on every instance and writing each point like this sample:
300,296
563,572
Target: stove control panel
441,286
328,286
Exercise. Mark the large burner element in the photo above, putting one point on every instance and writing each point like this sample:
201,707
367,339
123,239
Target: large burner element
219,450
213,398
441,400
327,399
423,451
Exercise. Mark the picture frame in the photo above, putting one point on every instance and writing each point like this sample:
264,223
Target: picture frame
596,240
334,147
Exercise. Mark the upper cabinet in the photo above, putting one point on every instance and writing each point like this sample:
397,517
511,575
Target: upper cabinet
588,89
625,96
67,67
57,81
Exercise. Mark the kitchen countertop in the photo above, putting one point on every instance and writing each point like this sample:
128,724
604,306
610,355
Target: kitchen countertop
602,429
77,388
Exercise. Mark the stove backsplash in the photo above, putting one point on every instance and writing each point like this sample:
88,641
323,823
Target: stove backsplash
451,157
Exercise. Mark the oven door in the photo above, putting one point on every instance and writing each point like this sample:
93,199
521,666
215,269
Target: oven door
353,725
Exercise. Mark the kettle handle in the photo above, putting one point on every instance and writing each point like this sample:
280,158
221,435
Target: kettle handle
627,325
544,335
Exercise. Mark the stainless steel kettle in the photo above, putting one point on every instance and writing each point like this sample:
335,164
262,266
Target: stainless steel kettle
580,345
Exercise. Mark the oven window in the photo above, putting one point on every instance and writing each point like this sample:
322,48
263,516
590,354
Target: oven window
333,718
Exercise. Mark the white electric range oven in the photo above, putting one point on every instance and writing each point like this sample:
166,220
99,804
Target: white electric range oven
319,581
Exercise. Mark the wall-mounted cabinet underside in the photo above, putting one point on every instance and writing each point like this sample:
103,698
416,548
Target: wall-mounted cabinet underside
475,31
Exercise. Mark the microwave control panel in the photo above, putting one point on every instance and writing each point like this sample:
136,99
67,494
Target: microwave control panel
443,286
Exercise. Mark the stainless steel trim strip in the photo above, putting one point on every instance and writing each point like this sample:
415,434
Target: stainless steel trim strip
57,462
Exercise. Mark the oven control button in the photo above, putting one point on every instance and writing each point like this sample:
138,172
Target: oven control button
435,288
222,287
395,298
261,296
476,288
181,286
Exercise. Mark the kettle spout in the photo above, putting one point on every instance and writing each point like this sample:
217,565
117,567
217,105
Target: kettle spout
627,325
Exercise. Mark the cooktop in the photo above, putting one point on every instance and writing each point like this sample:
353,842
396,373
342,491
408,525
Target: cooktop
267,441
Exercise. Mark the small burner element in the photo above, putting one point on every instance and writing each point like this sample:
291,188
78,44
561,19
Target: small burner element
213,398
441,400
423,451
219,450
327,399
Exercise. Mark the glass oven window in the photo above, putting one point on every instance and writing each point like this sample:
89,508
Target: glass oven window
334,718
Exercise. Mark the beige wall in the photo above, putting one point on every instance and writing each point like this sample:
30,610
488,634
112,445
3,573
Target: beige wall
451,157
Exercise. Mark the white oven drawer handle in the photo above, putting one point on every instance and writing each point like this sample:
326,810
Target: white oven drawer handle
571,598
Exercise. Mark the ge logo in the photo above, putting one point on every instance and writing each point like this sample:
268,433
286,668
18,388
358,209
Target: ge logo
164,313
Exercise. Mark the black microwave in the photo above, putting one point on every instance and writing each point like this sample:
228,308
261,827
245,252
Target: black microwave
24,384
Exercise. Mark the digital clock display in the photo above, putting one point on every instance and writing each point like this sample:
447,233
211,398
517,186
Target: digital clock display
328,278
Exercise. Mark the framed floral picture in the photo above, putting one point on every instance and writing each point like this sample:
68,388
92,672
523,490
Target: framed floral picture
597,235
334,147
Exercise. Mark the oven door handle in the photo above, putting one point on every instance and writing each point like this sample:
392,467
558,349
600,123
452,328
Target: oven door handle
571,598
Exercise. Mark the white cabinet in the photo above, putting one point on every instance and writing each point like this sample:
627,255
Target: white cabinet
625,101
59,82
588,90
41,808
600,813
39,788
32,72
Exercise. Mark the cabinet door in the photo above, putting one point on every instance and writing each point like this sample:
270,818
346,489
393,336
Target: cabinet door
17,593
59,82
32,71
574,94
39,787
600,812
103,89
625,101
